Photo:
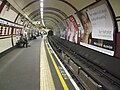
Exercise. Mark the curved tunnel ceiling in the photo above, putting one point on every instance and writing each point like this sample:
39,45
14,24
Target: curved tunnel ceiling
46,12
50,9
51,23
56,10
38,18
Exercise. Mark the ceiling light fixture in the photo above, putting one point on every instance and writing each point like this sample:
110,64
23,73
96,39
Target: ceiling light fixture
41,12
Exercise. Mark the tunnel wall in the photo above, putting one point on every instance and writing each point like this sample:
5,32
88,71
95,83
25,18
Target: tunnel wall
9,34
8,13
11,25
8,29
5,44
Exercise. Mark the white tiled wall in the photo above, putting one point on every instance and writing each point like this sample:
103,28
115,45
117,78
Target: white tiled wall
5,44
8,14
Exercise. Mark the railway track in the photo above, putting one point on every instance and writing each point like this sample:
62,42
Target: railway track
87,74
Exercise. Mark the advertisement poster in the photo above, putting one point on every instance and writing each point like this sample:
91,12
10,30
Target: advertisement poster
97,27
86,28
101,21
63,29
62,33
72,30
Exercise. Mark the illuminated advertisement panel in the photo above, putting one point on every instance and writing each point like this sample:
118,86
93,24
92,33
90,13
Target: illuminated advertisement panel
98,27
62,30
72,30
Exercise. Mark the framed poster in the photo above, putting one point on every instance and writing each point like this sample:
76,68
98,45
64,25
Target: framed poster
72,30
98,27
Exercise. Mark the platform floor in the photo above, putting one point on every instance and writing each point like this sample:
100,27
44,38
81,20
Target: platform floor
34,68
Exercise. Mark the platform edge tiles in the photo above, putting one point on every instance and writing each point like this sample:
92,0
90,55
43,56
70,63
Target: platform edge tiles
46,80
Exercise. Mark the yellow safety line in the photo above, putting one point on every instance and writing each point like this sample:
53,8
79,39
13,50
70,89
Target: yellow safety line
58,71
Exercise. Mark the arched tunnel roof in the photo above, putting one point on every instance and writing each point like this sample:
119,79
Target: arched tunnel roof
55,10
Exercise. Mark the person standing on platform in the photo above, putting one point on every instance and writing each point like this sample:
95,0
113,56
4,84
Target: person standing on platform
25,44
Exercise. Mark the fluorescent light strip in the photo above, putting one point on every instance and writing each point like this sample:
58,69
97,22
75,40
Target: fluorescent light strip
41,4
41,11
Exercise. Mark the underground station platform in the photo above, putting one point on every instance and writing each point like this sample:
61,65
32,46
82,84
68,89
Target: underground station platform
34,68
